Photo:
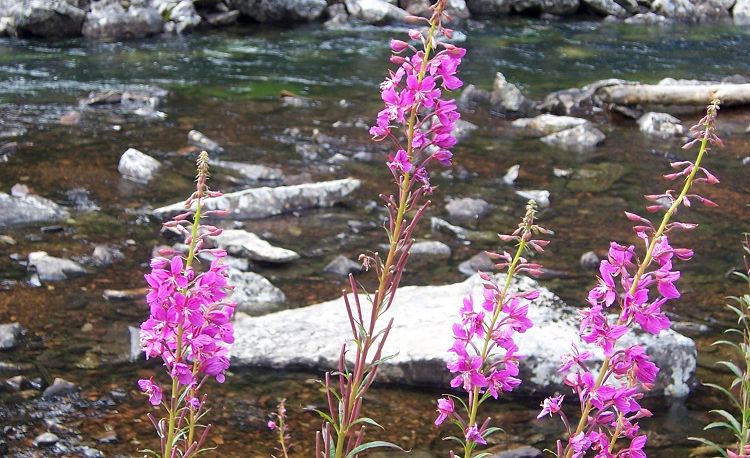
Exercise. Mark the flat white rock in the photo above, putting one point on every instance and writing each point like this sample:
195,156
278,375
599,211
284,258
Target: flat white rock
245,244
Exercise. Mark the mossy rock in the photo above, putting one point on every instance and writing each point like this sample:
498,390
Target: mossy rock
596,177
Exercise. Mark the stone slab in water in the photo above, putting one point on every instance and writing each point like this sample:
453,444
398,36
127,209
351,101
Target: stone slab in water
28,209
242,243
50,268
311,337
256,203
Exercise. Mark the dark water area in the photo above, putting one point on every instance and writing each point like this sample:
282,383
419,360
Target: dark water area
226,85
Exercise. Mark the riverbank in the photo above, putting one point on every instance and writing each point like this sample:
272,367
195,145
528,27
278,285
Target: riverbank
124,19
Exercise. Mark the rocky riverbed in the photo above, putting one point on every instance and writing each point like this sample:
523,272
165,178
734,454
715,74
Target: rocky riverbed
97,141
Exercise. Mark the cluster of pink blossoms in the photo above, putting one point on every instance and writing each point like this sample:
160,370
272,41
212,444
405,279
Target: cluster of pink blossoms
639,287
486,354
413,104
189,326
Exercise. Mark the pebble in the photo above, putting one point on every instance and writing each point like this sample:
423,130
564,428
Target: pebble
18,383
746,160
46,440
60,387
589,260
511,175
9,334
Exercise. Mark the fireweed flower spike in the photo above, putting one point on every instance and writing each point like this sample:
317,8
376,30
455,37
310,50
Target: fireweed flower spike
640,286
485,360
419,122
278,424
189,327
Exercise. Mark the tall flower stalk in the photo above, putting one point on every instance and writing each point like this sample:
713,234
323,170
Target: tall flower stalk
420,123
486,358
639,286
189,326
737,419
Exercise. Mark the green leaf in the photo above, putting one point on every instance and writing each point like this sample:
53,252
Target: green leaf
368,421
482,455
728,343
730,418
711,444
718,424
492,430
327,418
726,392
373,444
455,439
732,367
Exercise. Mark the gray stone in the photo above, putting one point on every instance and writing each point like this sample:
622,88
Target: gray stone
556,7
137,166
466,210
540,196
462,129
595,177
256,203
546,124
374,11
606,8
28,209
490,7
457,9
589,260
746,160
9,334
511,175
480,262
277,10
42,18
200,140
580,138
253,293
581,100
337,16
251,172
741,12
421,335
430,250
472,96
136,350
46,440
104,255
647,19
661,125
18,383
675,9
59,387
238,242
233,262
441,225
222,18
7,150
506,98
108,19
50,268
342,266
180,14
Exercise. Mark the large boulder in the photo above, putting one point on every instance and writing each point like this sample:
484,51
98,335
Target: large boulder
661,125
180,14
490,7
557,7
108,19
546,123
28,209
374,11
50,268
421,336
257,203
277,10
42,18
581,138
741,12
238,242
253,293
506,99
137,166
606,7
577,100
251,172
675,9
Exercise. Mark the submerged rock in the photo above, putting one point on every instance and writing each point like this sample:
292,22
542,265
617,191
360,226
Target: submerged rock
342,266
540,196
238,242
606,8
108,19
421,336
104,256
253,293
466,210
46,440
506,99
28,209
50,268
137,166
252,172
201,141
59,387
480,262
589,260
662,125
430,250
42,18
256,203
9,334
580,138
546,124
595,177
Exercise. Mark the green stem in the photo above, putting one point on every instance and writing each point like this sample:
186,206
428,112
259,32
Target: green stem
356,382
178,353
469,446
641,271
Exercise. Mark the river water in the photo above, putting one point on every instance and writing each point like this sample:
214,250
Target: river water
226,84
